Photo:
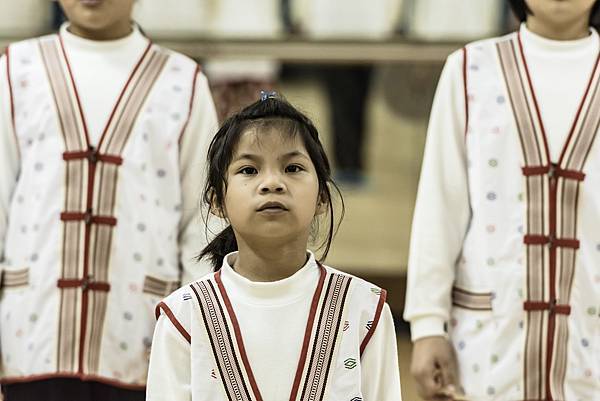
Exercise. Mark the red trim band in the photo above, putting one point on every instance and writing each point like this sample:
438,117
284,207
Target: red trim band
382,298
553,170
88,218
12,102
93,156
553,307
551,241
163,306
464,51
85,283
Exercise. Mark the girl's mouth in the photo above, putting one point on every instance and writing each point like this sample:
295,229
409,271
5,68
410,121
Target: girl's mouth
272,207
91,3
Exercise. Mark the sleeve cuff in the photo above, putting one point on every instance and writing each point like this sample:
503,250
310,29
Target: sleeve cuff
427,326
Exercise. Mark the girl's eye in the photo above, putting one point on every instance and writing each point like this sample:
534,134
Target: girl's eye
248,171
293,168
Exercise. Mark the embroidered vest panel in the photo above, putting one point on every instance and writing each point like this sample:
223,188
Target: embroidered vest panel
346,310
96,224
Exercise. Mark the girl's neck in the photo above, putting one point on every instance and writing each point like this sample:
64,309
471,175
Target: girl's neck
117,31
269,263
573,31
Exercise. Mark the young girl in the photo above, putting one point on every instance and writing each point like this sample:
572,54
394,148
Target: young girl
102,137
504,251
272,323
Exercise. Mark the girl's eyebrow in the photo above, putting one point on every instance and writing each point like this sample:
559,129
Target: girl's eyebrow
249,156
256,157
295,153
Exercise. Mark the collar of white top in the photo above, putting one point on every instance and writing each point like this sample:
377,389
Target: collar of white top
567,48
275,293
134,39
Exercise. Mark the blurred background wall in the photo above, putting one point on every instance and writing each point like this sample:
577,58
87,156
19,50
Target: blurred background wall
365,72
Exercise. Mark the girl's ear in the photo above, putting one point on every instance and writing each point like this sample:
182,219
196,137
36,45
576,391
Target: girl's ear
321,206
215,209
218,212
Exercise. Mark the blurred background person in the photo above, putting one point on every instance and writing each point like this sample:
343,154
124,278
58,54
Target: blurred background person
347,86
236,81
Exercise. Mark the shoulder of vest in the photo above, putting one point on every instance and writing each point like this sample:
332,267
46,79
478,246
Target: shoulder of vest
30,43
367,301
178,307
24,54
489,42
483,52
182,59
368,292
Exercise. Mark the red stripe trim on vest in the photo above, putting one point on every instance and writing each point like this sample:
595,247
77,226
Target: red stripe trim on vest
163,306
187,120
464,70
123,90
238,336
535,102
71,76
11,100
585,95
365,342
307,333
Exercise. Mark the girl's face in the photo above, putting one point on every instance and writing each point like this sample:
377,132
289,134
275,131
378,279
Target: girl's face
272,188
99,19
560,12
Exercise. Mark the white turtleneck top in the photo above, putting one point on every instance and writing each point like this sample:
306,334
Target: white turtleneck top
560,72
272,318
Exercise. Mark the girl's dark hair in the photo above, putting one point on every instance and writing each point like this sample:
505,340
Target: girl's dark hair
270,113
521,10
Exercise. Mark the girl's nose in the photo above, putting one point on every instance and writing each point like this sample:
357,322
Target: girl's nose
272,183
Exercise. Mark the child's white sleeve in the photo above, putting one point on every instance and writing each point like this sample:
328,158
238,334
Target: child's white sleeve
169,373
9,155
442,210
195,141
379,363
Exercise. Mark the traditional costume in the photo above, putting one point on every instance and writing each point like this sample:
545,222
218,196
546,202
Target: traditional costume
103,151
317,335
505,236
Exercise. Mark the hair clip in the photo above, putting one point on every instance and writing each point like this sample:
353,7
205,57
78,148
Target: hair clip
264,95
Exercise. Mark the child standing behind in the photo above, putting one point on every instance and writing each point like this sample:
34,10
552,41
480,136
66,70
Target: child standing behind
102,139
503,284
272,323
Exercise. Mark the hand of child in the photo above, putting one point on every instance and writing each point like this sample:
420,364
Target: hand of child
435,369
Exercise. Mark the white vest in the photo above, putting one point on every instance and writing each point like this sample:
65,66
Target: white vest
91,245
344,315
527,296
